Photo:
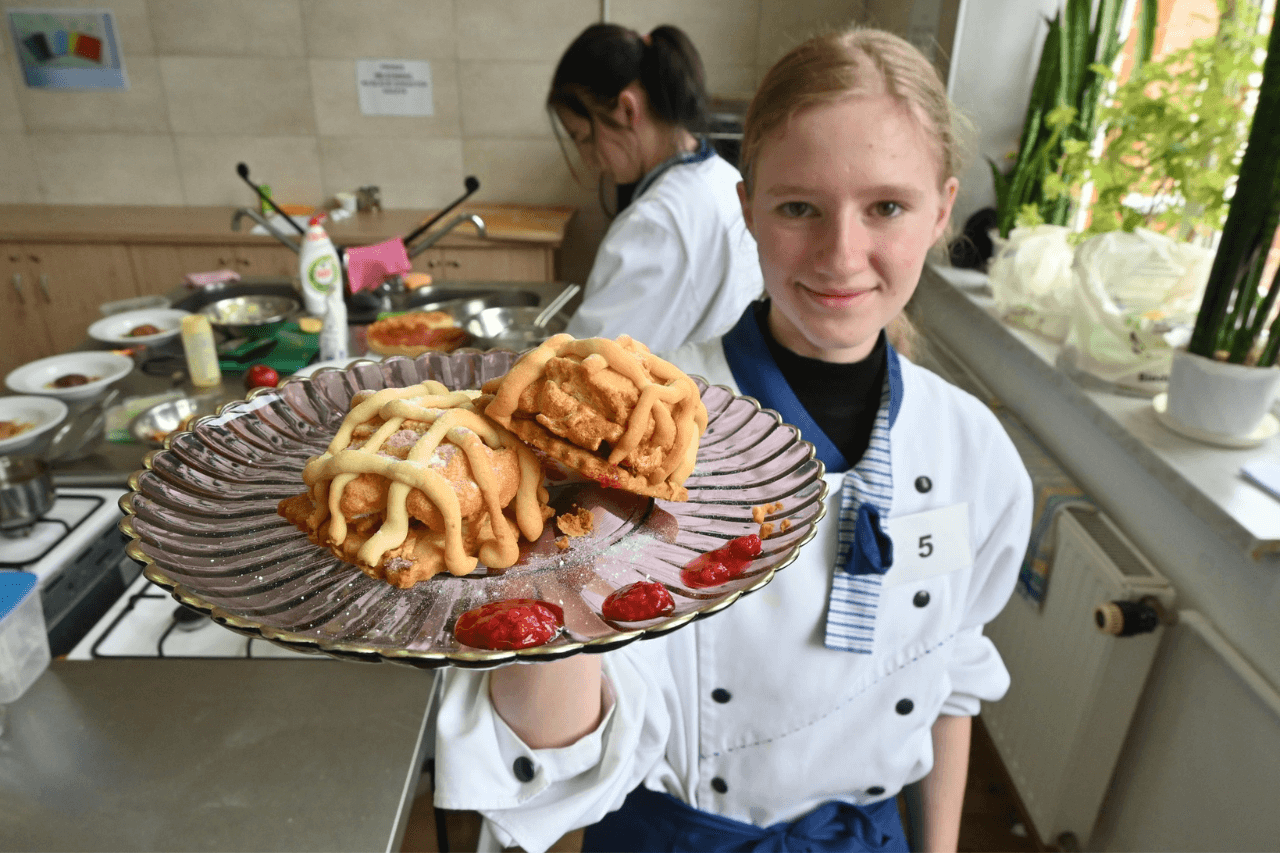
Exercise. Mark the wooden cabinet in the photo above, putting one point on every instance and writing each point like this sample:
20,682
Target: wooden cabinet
53,294
497,263
159,269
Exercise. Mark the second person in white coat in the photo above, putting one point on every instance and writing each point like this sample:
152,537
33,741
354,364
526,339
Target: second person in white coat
677,265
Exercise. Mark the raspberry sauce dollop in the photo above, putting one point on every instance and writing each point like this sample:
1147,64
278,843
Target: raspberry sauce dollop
721,565
637,602
517,623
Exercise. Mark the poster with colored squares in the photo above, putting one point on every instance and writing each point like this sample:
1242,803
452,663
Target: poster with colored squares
67,48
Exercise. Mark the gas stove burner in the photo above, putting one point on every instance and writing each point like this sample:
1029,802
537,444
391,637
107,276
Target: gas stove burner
18,532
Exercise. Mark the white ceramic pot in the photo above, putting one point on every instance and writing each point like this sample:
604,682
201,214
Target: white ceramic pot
1216,397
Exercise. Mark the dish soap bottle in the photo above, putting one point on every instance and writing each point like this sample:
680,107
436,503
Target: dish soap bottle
202,354
334,334
319,268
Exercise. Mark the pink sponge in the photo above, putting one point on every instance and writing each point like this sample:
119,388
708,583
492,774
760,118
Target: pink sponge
369,266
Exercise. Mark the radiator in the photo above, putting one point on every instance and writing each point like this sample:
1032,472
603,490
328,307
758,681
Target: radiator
1060,728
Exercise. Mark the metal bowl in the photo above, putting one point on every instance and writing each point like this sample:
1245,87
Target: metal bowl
154,425
511,328
250,316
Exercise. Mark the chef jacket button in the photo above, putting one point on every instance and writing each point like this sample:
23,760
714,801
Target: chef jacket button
923,484
904,706
524,769
719,785
721,695
921,598
875,790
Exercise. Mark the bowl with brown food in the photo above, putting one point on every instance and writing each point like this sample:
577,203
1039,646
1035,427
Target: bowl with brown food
133,328
70,377
26,420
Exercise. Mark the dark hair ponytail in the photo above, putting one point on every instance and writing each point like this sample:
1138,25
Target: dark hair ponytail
606,58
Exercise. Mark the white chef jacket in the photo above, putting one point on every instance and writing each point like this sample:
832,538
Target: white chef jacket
751,697
677,265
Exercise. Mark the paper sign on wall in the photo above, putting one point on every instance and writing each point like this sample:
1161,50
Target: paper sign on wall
394,87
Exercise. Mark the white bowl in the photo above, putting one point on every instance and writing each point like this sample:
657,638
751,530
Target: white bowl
115,328
43,413
37,377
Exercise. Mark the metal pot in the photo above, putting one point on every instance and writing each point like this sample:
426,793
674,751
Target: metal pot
26,491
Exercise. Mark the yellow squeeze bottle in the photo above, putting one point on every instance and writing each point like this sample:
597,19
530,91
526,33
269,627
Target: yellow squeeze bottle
202,355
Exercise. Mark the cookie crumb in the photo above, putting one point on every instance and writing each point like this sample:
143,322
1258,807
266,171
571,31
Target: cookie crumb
563,543
785,525
758,513
576,523
766,529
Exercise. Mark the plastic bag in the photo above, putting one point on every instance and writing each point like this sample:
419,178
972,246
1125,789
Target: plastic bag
1031,279
1135,300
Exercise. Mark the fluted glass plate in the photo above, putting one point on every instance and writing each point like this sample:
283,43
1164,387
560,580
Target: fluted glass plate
202,517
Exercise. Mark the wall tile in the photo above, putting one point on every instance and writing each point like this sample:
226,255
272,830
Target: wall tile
19,180
411,172
522,170
337,103
290,166
270,97
139,109
133,25
227,27
504,98
10,84
724,31
106,168
732,81
524,31
786,23
378,29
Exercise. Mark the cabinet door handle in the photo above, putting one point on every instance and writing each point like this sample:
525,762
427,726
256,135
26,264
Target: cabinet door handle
453,264
17,286
44,287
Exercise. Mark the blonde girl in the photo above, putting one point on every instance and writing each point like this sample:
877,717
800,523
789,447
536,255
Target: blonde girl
792,720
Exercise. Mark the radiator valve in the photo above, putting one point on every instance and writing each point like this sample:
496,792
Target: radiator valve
1126,618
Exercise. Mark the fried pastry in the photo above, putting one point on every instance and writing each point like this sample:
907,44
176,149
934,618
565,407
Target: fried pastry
610,410
416,482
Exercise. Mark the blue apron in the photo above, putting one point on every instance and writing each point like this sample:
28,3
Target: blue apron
651,821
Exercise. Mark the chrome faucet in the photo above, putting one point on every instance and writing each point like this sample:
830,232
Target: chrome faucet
434,237
265,223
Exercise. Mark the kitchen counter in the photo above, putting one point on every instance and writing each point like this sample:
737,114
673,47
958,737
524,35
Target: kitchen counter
213,755
111,463
544,224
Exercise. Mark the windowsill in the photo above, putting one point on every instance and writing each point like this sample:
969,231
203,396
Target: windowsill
1019,368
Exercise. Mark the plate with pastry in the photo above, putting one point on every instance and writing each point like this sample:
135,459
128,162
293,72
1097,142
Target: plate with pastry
414,333
474,509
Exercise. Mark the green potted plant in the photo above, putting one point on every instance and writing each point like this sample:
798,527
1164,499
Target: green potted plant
1226,380
1173,134
1063,108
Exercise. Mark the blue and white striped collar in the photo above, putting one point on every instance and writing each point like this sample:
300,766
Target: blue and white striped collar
758,376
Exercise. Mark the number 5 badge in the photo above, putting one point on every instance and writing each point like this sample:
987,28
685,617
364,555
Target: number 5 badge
928,544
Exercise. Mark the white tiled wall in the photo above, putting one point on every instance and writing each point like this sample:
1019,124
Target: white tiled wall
272,83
